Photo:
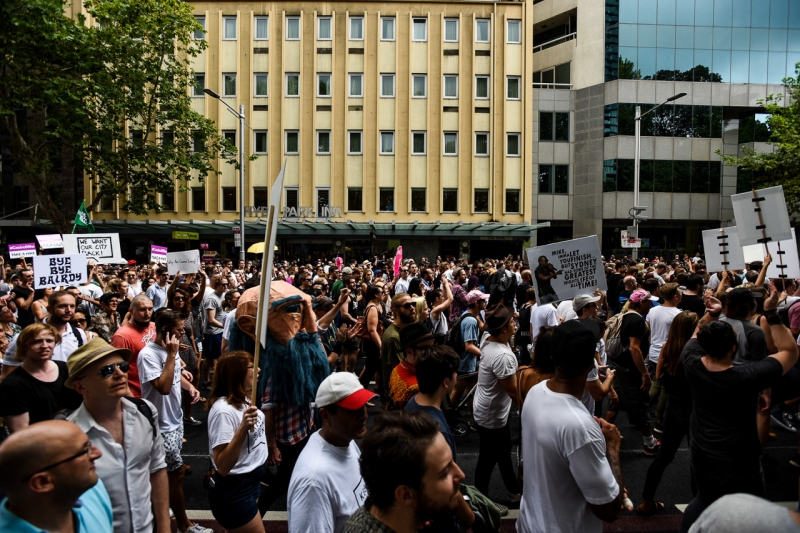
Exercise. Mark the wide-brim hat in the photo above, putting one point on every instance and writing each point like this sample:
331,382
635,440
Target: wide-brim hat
92,351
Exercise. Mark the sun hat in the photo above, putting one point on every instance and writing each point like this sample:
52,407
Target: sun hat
92,351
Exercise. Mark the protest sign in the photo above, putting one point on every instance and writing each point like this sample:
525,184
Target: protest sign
723,251
16,251
761,216
59,270
158,254
100,247
566,269
183,261
786,256
50,242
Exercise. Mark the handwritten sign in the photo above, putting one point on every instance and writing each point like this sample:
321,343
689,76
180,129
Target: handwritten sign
16,251
50,242
183,261
101,247
563,270
59,270
158,254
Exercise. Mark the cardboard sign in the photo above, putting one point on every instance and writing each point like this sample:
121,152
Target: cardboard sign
765,217
16,251
158,254
101,247
183,261
786,256
59,270
723,250
50,242
563,270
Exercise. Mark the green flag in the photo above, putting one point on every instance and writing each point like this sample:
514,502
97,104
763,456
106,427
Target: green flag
83,219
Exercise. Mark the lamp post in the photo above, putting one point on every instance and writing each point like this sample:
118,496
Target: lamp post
638,132
240,116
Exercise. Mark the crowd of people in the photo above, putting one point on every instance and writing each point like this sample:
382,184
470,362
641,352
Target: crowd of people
99,380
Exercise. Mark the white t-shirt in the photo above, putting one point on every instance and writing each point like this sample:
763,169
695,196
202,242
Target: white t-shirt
660,319
565,310
326,487
401,286
134,289
223,421
565,465
713,281
492,403
587,399
542,315
94,292
152,359
230,318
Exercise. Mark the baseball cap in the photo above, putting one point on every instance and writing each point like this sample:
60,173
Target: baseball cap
344,390
413,334
641,295
582,300
347,270
474,295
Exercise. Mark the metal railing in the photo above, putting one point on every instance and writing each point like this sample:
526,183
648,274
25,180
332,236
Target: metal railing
555,42
545,85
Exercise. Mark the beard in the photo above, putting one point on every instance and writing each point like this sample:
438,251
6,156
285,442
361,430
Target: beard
405,319
427,510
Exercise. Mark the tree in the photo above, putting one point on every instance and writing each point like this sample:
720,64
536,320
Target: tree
782,165
114,94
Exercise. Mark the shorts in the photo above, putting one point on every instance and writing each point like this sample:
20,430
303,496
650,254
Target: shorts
469,363
234,498
212,344
173,442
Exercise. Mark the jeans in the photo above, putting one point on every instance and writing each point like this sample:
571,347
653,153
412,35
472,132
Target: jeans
495,449
279,483
676,426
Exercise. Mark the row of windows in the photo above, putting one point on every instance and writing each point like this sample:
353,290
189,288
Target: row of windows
667,121
419,85
553,126
736,13
663,176
755,128
357,29
355,199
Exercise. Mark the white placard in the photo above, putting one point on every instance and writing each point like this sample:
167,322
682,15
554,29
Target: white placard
774,216
59,270
576,267
50,242
788,257
102,248
723,250
184,262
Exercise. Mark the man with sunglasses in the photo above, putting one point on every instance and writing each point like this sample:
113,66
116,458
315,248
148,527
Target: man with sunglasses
158,290
46,468
134,283
132,465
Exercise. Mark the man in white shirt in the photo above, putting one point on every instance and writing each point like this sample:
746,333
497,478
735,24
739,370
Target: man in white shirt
91,292
134,284
158,290
326,486
401,284
566,311
542,315
572,470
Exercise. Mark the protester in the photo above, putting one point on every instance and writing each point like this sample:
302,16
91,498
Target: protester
39,305
414,338
542,315
8,324
23,295
107,321
212,339
135,335
460,303
659,320
468,330
439,302
158,291
404,311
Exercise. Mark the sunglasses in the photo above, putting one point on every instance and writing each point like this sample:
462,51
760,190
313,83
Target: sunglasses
78,321
85,451
179,299
409,305
107,371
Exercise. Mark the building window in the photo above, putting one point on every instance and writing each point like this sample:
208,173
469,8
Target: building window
450,143
292,28
554,179
387,85
386,200
168,201
481,200
136,138
323,202
418,143
261,85
419,86
668,176
323,142
167,138
198,141
262,28
482,144
229,31
387,143
420,29
553,126
199,85
324,85
512,144
198,199
260,141
293,85
512,87
514,36
292,142
387,28
200,33
557,77
260,196
512,200
481,87
356,85
451,86
451,30
419,201
229,137
356,28
355,199
354,142
482,31
229,84
106,204
324,28
292,197
449,200
229,198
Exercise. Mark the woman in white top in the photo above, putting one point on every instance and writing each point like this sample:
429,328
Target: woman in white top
237,445
439,303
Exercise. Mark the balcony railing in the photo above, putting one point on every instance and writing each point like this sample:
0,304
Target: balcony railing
555,42
548,85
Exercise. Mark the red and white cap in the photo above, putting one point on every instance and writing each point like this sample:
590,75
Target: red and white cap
344,390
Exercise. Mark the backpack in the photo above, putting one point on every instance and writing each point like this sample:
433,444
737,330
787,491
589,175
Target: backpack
453,338
612,336
783,312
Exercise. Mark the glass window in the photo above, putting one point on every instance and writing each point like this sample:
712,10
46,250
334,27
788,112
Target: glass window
260,196
666,11
229,198
545,179
167,138
356,85
512,87
699,177
514,33
628,11
482,144
419,200
628,34
450,86
229,84
741,13
449,200
704,13
292,28
200,33
168,201
684,37
293,84
198,141
387,85
323,142
324,85
512,200
355,199
512,144
420,29
482,30
647,62
199,85
387,143
386,200
561,179
779,14
323,202
740,66
563,74
714,176
647,35
777,68
545,126
481,200
198,199
758,67
354,144
387,28
759,15
723,12
324,28
229,28
292,142
292,197
665,36
419,86
450,143
684,12
229,137
610,175
356,29
262,28
418,143
647,12
261,84
562,126
482,87
260,141
451,30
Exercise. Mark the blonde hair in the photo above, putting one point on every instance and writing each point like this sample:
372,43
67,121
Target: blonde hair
421,305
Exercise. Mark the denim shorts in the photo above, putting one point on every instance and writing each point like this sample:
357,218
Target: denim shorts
234,498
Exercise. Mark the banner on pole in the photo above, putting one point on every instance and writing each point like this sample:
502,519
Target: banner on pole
103,248
50,242
786,256
566,269
723,250
184,262
158,254
17,251
59,270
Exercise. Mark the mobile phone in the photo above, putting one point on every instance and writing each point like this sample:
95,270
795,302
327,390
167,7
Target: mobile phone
164,333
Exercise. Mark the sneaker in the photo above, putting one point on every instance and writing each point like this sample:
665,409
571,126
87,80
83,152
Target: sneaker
502,508
457,431
514,498
197,528
171,514
795,461
653,450
192,421
783,419
658,428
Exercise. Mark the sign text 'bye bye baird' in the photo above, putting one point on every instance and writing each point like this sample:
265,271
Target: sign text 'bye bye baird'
59,270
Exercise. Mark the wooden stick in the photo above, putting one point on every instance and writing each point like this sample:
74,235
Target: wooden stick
261,305
761,223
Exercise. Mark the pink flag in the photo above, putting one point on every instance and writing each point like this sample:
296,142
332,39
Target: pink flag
398,260
339,262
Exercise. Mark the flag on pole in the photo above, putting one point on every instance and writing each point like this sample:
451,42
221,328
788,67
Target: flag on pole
83,219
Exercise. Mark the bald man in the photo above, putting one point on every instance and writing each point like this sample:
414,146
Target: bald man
50,481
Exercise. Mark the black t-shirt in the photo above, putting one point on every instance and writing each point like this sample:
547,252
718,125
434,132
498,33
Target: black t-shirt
723,425
633,325
752,341
613,289
522,294
692,302
24,316
22,393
